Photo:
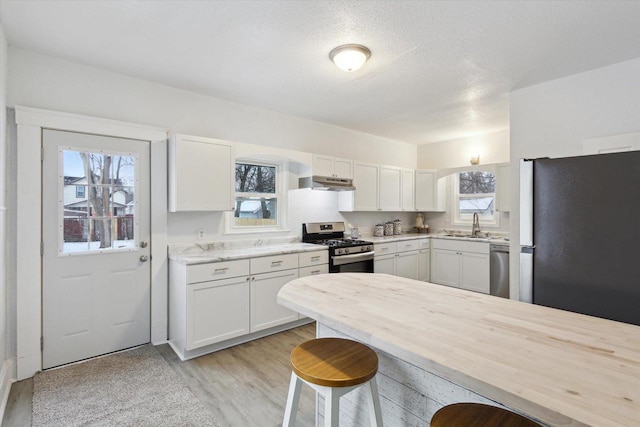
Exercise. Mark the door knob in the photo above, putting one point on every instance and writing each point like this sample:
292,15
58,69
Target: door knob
143,244
144,258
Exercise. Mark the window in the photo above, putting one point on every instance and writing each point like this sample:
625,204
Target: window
475,192
79,191
256,196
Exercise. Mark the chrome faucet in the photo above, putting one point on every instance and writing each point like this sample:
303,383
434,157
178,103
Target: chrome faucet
475,228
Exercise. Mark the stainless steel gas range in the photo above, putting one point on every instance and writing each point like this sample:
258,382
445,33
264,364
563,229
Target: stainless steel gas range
345,255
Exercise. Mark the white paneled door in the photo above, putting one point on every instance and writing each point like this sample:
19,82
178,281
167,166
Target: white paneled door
95,233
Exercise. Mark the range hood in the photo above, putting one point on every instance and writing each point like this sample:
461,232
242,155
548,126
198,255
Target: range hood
327,183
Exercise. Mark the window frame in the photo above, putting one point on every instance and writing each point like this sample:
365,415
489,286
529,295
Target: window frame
83,196
280,195
494,221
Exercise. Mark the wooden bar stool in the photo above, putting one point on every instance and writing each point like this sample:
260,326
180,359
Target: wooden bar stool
333,367
478,415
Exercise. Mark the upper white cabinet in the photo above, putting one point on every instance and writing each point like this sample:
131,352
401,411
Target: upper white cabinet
332,166
503,187
201,174
408,191
379,188
390,187
428,194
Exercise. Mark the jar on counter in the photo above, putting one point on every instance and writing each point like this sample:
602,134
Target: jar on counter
379,231
388,228
397,227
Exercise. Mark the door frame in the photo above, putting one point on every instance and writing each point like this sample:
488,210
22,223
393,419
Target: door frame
30,122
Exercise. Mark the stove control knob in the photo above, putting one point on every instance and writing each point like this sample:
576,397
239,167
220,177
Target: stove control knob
346,251
338,251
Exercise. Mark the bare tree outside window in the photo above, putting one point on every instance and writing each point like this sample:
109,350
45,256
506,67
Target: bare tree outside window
477,183
256,201
476,194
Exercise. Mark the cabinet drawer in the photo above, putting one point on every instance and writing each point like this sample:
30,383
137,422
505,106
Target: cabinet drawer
461,245
408,245
274,263
313,270
217,270
306,259
424,243
385,248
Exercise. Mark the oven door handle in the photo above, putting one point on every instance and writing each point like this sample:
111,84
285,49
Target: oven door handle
350,259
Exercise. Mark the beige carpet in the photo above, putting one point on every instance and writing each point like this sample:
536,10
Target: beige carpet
133,388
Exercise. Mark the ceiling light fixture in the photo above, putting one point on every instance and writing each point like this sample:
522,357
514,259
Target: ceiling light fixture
350,57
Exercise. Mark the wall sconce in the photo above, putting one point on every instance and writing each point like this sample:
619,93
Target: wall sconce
475,159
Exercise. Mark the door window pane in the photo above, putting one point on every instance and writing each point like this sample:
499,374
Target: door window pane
105,207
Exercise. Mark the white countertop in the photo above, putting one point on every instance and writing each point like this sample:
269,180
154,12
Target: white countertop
242,253
563,368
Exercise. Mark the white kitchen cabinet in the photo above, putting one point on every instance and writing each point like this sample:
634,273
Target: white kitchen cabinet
424,263
385,264
407,265
217,310
312,263
408,190
332,166
390,188
208,303
365,196
201,174
429,191
460,264
503,187
265,310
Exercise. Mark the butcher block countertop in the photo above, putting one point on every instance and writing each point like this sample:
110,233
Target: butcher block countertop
559,367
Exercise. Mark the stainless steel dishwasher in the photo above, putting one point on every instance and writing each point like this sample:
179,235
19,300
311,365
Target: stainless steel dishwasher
499,270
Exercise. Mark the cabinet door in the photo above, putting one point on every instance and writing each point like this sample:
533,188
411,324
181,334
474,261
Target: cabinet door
322,165
424,262
407,265
474,272
385,264
313,270
265,310
390,188
365,179
343,168
201,174
445,267
408,180
425,191
217,311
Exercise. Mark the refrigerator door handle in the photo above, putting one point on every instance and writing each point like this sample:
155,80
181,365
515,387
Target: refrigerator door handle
526,202
526,275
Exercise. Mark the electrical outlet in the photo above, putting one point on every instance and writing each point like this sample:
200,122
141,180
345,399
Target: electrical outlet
201,234
446,222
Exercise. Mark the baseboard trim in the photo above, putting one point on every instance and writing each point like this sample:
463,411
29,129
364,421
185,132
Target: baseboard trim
7,377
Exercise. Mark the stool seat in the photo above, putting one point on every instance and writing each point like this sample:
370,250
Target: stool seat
478,415
334,362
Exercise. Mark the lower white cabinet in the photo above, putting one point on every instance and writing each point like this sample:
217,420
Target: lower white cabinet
265,310
404,258
218,310
461,264
216,305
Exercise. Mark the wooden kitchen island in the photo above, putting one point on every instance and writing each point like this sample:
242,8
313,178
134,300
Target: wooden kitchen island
439,345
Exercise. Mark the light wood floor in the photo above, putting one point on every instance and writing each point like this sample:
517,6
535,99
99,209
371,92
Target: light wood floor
245,385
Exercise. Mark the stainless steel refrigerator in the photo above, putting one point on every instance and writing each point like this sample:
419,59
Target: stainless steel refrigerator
580,234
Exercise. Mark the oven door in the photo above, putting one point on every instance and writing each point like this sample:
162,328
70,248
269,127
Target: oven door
355,263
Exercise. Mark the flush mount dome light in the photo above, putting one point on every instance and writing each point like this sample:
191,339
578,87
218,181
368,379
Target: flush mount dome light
350,57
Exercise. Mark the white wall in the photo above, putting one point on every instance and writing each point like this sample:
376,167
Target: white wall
493,148
52,83
552,119
6,371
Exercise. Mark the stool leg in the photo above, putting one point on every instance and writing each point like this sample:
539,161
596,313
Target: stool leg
331,408
375,414
291,410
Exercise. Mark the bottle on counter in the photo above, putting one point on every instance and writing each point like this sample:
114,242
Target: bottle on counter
379,231
388,228
397,227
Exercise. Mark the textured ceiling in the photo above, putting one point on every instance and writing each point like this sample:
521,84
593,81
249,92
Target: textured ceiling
438,70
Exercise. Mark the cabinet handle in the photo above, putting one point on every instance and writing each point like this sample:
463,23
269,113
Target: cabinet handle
384,249
315,258
220,270
315,272
248,278
275,263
